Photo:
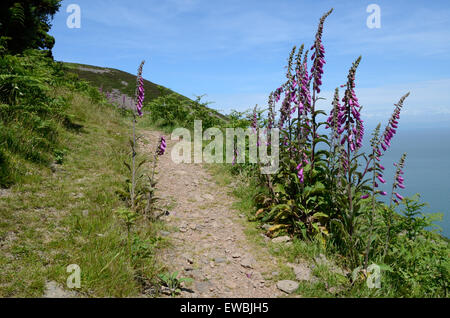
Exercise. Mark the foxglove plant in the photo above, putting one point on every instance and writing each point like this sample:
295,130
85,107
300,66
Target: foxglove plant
159,151
378,169
254,124
140,92
389,132
391,127
311,193
333,123
139,98
375,168
348,116
395,196
162,146
316,76
318,55
271,117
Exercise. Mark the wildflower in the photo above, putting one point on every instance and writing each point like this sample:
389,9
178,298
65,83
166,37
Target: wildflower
235,154
162,146
364,196
139,94
300,173
392,125
305,95
349,113
277,94
140,97
381,179
398,179
271,118
254,120
284,110
318,55
333,120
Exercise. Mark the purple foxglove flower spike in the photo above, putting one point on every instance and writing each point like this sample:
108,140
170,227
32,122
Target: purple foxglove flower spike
139,90
390,130
318,55
162,146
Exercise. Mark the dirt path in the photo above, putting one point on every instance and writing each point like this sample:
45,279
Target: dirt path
210,245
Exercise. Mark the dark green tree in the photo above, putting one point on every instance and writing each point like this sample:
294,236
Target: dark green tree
24,24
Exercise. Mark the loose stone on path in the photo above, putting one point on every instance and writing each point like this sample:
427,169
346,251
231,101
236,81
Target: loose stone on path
288,286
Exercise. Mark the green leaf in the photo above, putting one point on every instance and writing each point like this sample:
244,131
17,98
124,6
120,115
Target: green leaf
279,188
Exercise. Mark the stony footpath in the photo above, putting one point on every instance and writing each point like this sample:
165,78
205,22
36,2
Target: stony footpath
208,240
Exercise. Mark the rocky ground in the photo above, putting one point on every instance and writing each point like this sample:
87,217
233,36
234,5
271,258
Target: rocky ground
208,240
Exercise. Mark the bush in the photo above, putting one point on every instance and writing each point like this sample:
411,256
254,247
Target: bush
31,113
171,111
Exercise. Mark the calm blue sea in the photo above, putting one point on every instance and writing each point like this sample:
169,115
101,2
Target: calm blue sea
427,168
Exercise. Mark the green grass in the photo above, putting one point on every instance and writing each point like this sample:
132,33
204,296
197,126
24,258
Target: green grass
50,220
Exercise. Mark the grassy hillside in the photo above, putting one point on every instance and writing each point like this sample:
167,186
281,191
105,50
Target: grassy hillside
66,214
117,83
110,78
62,148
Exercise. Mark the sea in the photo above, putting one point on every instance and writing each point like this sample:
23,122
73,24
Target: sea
427,168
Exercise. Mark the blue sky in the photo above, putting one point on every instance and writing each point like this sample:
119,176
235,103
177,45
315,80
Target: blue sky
235,51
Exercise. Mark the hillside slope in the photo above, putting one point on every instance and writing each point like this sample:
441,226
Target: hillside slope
112,79
119,86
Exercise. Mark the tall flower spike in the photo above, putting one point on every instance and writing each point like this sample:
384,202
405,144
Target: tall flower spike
391,127
298,59
271,117
290,63
254,120
333,120
277,94
139,94
284,112
350,112
304,96
318,55
398,179
162,146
